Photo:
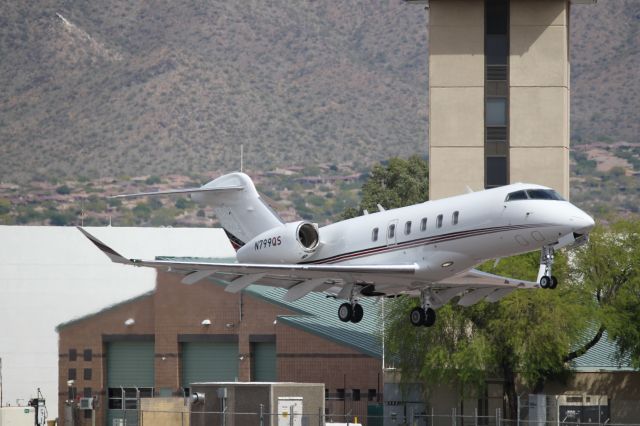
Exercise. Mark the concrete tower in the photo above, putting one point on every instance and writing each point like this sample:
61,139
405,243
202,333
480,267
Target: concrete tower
498,94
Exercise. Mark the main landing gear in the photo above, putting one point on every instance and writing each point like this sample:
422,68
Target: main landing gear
546,263
423,315
350,311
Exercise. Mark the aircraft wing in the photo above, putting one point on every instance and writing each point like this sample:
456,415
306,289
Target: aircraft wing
300,279
339,280
474,285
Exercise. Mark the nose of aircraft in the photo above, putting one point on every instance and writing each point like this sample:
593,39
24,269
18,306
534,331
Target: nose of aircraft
581,222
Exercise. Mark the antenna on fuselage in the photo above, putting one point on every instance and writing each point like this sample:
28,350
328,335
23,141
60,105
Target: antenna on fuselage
241,157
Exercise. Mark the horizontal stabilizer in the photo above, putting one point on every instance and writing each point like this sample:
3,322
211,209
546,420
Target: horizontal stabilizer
181,191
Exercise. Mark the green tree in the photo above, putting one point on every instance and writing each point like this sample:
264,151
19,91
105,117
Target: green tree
182,203
399,183
527,336
63,190
5,206
152,180
531,336
608,269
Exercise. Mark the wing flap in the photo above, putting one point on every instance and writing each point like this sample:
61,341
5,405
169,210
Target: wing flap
475,278
475,296
196,276
243,282
498,294
300,290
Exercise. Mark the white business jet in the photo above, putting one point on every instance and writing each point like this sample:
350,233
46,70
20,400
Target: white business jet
428,249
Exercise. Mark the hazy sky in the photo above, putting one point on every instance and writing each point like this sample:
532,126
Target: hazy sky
50,275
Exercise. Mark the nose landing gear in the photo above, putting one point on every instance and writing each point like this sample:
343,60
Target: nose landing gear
547,280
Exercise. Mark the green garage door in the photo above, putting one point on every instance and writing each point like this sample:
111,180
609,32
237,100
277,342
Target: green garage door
263,362
209,362
130,375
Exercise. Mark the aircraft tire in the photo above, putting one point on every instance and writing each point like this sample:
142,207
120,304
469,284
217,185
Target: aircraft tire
417,316
358,313
429,317
545,282
345,312
554,283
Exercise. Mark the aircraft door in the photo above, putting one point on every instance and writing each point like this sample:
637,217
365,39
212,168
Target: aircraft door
392,232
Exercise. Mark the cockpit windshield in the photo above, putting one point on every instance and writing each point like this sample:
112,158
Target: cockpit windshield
534,194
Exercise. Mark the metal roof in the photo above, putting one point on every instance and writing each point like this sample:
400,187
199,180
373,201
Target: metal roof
102,311
320,317
602,357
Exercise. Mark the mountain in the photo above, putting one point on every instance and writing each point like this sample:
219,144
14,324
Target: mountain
605,72
115,88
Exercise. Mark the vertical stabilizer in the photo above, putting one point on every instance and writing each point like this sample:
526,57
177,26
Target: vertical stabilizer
242,213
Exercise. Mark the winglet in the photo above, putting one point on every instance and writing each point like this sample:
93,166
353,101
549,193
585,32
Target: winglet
111,253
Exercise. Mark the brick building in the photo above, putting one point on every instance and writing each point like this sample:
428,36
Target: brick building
159,342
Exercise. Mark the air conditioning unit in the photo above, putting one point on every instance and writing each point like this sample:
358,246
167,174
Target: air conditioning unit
582,408
86,404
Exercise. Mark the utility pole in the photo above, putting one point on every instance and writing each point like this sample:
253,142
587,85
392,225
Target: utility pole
0,382
241,158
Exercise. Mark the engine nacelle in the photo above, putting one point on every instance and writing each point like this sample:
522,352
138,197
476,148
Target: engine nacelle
290,243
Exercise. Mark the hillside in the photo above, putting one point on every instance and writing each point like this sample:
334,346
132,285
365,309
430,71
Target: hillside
115,88
112,88
605,72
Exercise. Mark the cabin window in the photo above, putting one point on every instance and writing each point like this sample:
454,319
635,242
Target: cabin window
407,228
423,224
439,221
374,234
454,218
392,230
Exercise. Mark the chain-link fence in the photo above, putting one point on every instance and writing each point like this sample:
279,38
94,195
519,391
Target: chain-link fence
574,416
532,410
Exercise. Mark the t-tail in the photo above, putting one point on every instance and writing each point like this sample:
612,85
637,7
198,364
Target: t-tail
242,213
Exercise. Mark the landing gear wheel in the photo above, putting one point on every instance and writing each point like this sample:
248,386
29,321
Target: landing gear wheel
345,312
357,314
545,282
429,318
417,316
554,282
